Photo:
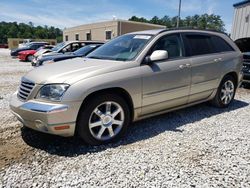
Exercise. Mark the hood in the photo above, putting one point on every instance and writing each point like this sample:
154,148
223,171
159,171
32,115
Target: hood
48,54
243,44
28,52
42,51
57,57
73,70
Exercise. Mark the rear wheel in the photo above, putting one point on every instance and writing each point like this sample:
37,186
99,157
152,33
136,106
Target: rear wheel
225,93
103,119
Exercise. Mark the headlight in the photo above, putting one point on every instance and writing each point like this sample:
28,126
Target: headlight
52,92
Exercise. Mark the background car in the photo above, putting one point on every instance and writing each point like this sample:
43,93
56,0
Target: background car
244,46
3,45
30,46
61,48
28,55
82,52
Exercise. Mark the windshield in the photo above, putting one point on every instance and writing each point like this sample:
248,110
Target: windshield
123,48
58,46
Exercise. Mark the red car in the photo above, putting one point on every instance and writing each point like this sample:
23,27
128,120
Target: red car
26,55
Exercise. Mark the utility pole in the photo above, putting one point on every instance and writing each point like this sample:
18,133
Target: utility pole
179,15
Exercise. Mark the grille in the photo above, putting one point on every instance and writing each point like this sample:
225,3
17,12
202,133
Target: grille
25,89
246,67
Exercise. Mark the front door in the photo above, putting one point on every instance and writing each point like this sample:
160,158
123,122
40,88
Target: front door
166,84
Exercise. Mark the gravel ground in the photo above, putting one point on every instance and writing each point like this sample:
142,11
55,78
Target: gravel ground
200,146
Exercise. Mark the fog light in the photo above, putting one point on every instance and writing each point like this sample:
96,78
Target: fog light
40,125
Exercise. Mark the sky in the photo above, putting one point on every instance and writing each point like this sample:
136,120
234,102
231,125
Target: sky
68,13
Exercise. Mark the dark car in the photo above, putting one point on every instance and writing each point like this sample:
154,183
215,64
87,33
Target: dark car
82,52
30,46
244,46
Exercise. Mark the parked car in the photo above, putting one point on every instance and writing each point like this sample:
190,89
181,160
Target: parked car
131,77
3,45
30,46
25,42
82,52
244,46
61,48
28,55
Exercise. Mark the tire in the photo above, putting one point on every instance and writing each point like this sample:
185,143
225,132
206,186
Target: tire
225,93
97,125
29,58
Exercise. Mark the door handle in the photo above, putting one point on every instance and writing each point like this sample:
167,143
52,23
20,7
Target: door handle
185,66
217,60
182,66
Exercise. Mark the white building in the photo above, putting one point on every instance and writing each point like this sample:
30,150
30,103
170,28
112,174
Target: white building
241,21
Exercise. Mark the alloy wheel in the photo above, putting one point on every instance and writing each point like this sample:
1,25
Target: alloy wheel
227,92
106,120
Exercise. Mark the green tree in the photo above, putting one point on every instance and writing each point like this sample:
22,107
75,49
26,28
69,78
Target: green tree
22,30
203,21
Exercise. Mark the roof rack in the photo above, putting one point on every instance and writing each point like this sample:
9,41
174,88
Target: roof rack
192,28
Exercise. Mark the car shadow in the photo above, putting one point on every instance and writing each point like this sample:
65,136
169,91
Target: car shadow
141,130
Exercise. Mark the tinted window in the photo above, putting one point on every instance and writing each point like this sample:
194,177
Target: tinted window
85,50
199,44
221,45
35,46
170,43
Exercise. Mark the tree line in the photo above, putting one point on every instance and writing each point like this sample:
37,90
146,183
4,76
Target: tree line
28,31
22,30
203,21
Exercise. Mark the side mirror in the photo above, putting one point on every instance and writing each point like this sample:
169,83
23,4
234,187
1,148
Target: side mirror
157,56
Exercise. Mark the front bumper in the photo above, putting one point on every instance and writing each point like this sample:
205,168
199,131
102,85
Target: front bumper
52,118
13,53
21,57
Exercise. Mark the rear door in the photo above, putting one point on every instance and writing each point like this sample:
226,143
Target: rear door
205,65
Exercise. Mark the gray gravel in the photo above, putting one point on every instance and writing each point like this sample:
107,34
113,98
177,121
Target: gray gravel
200,146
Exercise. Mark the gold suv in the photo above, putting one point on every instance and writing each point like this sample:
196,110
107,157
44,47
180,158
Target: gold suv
132,77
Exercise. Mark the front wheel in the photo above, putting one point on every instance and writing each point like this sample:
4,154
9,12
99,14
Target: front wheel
225,93
30,58
103,119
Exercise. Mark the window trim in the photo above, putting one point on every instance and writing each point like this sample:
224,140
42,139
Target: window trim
206,34
106,34
77,34
87,35
169,59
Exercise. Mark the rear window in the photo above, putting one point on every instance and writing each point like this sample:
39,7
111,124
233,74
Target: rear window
221,45
199,44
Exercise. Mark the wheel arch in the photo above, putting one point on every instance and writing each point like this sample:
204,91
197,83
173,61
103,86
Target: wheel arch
234,75
114,90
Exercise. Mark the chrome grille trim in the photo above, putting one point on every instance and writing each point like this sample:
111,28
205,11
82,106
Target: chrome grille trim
25,88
